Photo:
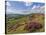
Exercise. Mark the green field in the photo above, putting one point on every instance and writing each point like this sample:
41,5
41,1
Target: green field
18,24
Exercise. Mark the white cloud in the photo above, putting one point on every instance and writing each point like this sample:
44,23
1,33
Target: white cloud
42,7
39,9
27,1
8,4
28,4
10,11
40,1
36,7
14,11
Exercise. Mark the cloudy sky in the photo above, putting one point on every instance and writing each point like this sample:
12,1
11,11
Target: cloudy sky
20,7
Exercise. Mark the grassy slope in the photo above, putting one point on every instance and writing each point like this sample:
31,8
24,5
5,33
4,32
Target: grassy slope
22,22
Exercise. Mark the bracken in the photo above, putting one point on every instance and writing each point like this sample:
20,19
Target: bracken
33,26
